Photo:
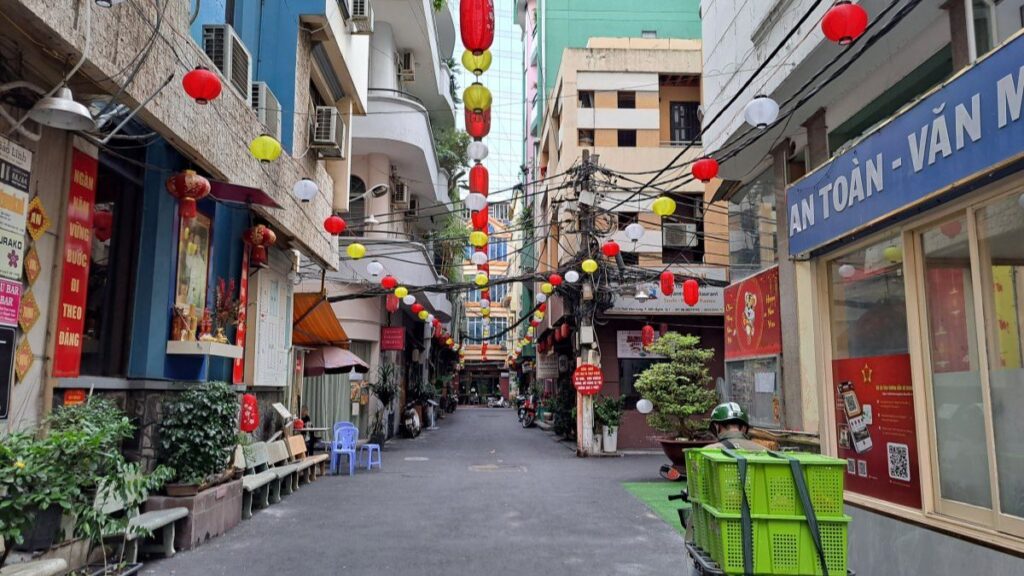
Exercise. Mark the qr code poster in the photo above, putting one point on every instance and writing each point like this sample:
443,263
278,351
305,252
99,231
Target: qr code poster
875,428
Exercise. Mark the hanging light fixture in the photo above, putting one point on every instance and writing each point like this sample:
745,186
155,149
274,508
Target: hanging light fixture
266,149
375,268
644,406
423,315
62,112
355,251
641,294
201,85
259,237
477,63
893,254
476,24
705,169
761,111
480,219
477,151
416,308
334,225
844,22
479,258
664,206
572,276
476,201
610,249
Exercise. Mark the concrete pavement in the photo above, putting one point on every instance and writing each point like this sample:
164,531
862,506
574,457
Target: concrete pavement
478,496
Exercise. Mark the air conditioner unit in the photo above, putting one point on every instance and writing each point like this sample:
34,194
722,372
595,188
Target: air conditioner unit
400,195
679,235
406,67
328,132
267,108
229,55
360,17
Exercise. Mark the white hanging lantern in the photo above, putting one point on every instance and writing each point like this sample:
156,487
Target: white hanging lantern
485,303
761,111
409,300
375,268
542,298
305,190
430,318
635,231
847,271
572,276
479,258
477,151
476,202
644,406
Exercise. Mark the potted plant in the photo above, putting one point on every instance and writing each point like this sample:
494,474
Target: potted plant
680,389
385,388
608,412
197,434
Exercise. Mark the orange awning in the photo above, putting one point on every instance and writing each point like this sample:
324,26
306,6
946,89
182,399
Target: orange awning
315,323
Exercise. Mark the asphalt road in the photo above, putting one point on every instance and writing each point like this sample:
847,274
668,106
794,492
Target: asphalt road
479,496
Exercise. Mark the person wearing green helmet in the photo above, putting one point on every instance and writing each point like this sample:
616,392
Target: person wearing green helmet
730,425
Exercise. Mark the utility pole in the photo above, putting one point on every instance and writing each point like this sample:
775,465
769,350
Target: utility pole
586,354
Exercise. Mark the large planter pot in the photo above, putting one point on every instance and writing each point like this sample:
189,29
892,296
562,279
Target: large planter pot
44,530
610,438
674,448
212,512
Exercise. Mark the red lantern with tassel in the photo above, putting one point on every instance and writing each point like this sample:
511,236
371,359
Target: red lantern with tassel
476,23
480,218
188,187
201,84
668,283
479,179
647,336
691,292
249,415
259,237
391,303
478,124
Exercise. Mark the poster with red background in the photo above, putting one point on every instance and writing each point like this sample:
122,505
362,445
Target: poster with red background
74,279
392,338
752,323
879,388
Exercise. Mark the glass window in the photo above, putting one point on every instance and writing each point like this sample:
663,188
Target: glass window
585,137
649,34
627,100
752,229
586,98
755,383
627,138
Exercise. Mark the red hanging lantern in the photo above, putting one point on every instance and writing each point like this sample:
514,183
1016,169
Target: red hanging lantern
478,179
476,23
705,169
564,330
647,336
334,225
668,283
389,282
188,187
610,249
437,324
437,329
249,415
103,224
478,123
534,323
485,294
416,308
259,237
543,307
391,303
480,218
202,85
483,351
691,292
555,280
844,22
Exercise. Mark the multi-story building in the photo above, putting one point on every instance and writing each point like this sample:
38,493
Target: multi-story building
631,104
887,192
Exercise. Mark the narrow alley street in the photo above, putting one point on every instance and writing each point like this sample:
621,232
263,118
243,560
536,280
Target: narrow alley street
477,496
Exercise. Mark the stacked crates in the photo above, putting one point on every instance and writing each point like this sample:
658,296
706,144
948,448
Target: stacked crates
782,540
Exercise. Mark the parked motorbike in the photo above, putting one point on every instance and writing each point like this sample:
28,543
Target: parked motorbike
528,412
496,402
411,420
520,401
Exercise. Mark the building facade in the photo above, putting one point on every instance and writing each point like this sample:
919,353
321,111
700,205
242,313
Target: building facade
888,195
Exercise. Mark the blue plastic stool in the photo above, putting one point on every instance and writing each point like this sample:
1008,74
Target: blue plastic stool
370,450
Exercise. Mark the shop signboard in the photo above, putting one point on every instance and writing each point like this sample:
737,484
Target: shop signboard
630,344
547,366
970,125
392,338
74,280
10,302
711,302
74,396
15,163
588,379
8,341
752,324
874,405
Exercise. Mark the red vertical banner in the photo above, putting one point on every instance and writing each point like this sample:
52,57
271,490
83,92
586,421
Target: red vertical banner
238,372
74,282
876,431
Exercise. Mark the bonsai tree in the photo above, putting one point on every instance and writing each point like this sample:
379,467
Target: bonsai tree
198,432
608,411
679,387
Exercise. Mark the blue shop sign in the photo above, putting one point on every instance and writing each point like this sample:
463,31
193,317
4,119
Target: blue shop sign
970,125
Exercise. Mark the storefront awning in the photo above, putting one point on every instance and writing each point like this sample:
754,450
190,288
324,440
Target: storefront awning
315,323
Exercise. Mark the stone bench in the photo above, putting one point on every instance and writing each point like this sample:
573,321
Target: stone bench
51,567
140,526
261,487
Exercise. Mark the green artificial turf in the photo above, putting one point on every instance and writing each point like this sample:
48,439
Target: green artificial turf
655,496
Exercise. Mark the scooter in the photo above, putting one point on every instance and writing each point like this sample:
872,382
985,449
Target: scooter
528,412
411,420
496,402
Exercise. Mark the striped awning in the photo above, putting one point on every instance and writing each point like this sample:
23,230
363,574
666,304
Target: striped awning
314,322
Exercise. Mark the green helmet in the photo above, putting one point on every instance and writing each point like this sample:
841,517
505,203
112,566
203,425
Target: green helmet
729,412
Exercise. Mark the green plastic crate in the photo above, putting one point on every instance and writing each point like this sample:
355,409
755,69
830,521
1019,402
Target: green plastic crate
782,544
770,487
700,519
696,475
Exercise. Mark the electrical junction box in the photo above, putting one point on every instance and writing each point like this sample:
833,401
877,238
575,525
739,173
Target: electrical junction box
586,334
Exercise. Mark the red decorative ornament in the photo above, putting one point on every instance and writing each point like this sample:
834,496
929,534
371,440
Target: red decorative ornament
951,229
416,308
647,336
610,249
534,323
334,225
476,22
478,179
202,85
844,22
668,283
478,124
103,224
389,282
437,328
483,351
249,415
259,237
298,425
564,330
486,294
555,280
543,307
391,303
188,187
705,169
691,292
480,218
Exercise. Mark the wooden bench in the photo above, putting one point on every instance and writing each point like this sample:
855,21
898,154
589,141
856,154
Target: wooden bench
287,473
258,482
314,465
140,526
51,567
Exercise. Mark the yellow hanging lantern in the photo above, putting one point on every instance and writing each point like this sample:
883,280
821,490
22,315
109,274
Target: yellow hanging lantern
485,312
265,148
664,206
893,254
355,251
589,266
401,292
449,341
478,239
480,279
547,288
423,314
476,64
477,97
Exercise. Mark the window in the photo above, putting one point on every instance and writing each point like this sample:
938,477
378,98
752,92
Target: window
629,370
586,137
627,218
586,98
627,100
627,139
498,327
649,34
684,123
498,291
752,229
497,250
630,258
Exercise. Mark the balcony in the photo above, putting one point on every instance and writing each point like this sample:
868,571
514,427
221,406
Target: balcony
397,125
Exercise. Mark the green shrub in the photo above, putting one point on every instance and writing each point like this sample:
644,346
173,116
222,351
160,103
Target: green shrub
608,411
198,431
